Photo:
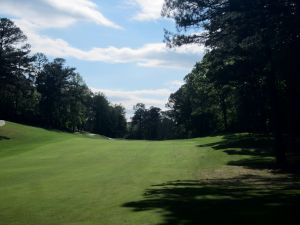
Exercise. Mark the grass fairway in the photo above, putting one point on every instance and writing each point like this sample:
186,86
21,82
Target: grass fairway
55,178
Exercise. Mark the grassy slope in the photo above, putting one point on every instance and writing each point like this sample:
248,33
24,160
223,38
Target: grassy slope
53,178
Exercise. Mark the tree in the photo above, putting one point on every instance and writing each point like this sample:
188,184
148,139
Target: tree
51,94
18,96
152,123
200,106
167,127
101,119
64,96
77,100
119,123
253,37
39,62
137,122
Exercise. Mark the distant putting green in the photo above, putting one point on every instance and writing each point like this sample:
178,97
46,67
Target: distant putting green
56,178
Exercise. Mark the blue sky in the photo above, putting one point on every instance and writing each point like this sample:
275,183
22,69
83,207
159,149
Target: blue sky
116,45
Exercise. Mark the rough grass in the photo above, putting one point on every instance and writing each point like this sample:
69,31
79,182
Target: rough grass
55,178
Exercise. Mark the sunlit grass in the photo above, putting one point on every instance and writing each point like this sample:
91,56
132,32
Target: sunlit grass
55,178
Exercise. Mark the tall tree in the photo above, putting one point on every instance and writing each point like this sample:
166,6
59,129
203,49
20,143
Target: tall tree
101,120
51,94
152,122
63,96
137,121
253,36
77,102
16,89
119,123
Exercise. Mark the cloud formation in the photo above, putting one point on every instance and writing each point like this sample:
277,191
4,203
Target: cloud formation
55,13
148,55
148,9
36,15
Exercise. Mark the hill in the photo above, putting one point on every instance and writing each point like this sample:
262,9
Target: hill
50,178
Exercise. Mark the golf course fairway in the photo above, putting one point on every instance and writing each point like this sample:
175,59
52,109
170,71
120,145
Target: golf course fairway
56,178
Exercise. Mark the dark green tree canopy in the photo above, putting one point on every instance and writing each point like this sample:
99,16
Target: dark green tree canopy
15,71
252,47
49,93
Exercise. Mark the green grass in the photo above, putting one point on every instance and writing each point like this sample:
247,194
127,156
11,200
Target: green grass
56,178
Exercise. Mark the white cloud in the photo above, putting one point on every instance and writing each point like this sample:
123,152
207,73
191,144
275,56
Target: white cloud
34,15
175,84
148,9
55,13
148,55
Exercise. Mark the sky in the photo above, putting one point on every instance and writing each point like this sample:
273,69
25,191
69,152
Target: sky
117,45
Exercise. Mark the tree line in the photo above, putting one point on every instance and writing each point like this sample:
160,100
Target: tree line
248,79
151,124
50,94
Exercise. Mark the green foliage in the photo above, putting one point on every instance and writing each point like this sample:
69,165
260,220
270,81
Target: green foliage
119,123
36,91
63,96
151,124
250,67
18,97
107,119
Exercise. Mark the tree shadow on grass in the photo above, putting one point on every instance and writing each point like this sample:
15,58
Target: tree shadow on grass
257,163
4,138
258,148
243,200
244,144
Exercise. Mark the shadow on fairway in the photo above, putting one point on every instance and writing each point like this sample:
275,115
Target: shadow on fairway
4,138
244,144
256,146
258,151
245,200
242,200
